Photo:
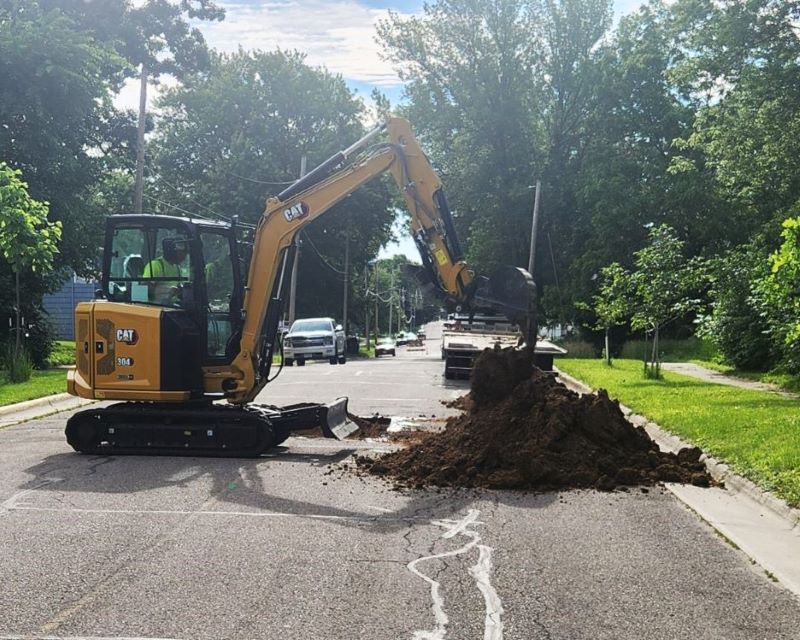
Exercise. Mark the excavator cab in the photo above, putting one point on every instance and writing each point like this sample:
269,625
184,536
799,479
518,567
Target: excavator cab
188,269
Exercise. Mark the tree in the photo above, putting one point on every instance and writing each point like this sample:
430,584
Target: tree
737,320
498,93
781,297
58,118
662,284
27,239
612,303
236,133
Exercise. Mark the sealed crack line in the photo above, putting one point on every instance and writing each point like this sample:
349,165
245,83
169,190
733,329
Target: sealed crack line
480,572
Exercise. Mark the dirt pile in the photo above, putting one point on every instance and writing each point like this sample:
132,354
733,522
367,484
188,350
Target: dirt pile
525,430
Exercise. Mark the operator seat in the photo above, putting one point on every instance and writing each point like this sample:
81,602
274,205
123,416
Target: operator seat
134,266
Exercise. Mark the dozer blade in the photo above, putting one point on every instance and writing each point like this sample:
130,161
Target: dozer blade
335,423
330,418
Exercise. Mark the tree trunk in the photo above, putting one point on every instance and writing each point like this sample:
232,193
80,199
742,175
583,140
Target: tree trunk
18,342
608,353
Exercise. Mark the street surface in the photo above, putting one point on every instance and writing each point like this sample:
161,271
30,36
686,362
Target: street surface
293,546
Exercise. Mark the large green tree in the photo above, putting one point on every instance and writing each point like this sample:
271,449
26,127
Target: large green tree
498,91
58,113
234,135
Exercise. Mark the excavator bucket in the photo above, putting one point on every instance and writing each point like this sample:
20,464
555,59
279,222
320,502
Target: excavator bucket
512,292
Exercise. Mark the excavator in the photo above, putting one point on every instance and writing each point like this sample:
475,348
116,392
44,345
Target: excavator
176,327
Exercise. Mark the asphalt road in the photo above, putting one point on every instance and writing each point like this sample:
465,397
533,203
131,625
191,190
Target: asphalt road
293,546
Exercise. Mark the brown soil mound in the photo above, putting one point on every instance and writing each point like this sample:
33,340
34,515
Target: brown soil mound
525,430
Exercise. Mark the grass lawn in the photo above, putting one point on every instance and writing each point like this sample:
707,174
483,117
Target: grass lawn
756,432
42,383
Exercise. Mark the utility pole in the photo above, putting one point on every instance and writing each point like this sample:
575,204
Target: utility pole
293,285
391,300
534,226
377,323
138,188
366,301
533,322
346,273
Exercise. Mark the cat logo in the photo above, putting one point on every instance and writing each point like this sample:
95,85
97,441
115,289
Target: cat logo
128,336
297,210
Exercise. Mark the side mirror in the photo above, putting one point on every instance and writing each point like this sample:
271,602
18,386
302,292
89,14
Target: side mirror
339,327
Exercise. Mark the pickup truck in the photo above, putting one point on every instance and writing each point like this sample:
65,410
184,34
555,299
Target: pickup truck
314,339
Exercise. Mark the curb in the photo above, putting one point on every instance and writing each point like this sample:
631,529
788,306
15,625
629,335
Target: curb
720,471
33,404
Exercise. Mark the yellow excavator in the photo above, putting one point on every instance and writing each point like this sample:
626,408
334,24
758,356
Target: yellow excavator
177,327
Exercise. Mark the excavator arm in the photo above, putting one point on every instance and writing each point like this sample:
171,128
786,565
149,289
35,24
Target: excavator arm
510,291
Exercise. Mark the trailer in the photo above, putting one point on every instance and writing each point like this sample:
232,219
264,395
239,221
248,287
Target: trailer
463,341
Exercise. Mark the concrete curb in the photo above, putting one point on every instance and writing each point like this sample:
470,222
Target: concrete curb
46,401
720,471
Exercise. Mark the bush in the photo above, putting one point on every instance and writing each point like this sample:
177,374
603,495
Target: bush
62,354
38,339
19,365
579,349
737,324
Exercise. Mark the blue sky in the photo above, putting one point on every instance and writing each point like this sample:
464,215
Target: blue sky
336,34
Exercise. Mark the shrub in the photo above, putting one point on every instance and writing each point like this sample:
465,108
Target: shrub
671,349
19,365
579,349
737,323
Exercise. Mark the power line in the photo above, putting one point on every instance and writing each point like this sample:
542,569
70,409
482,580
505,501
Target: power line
320,256
219,216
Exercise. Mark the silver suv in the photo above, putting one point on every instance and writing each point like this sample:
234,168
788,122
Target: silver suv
314,339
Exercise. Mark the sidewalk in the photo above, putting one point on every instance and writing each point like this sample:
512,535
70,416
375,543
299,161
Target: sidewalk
709,375
763,527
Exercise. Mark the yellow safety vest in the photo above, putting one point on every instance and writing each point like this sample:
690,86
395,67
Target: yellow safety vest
161,268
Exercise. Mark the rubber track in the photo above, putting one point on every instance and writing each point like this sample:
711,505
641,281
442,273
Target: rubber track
159,429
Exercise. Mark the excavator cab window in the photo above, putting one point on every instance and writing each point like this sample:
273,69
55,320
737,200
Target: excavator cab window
221,291
149,264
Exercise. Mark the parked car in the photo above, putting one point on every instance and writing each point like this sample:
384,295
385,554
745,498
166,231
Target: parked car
314,339
385,347
406,337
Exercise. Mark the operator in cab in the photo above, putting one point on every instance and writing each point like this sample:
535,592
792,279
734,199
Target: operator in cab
167,265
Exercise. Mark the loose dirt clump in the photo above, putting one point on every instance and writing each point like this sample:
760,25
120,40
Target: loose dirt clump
525,430
374,427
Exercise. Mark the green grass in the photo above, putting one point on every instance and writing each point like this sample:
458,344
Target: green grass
42,383
756,432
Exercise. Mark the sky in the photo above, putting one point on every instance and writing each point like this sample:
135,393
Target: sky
336,34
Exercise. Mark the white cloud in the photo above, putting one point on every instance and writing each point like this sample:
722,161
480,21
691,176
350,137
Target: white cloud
338,34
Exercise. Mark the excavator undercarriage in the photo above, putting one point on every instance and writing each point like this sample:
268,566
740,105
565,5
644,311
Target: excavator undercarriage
131,428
